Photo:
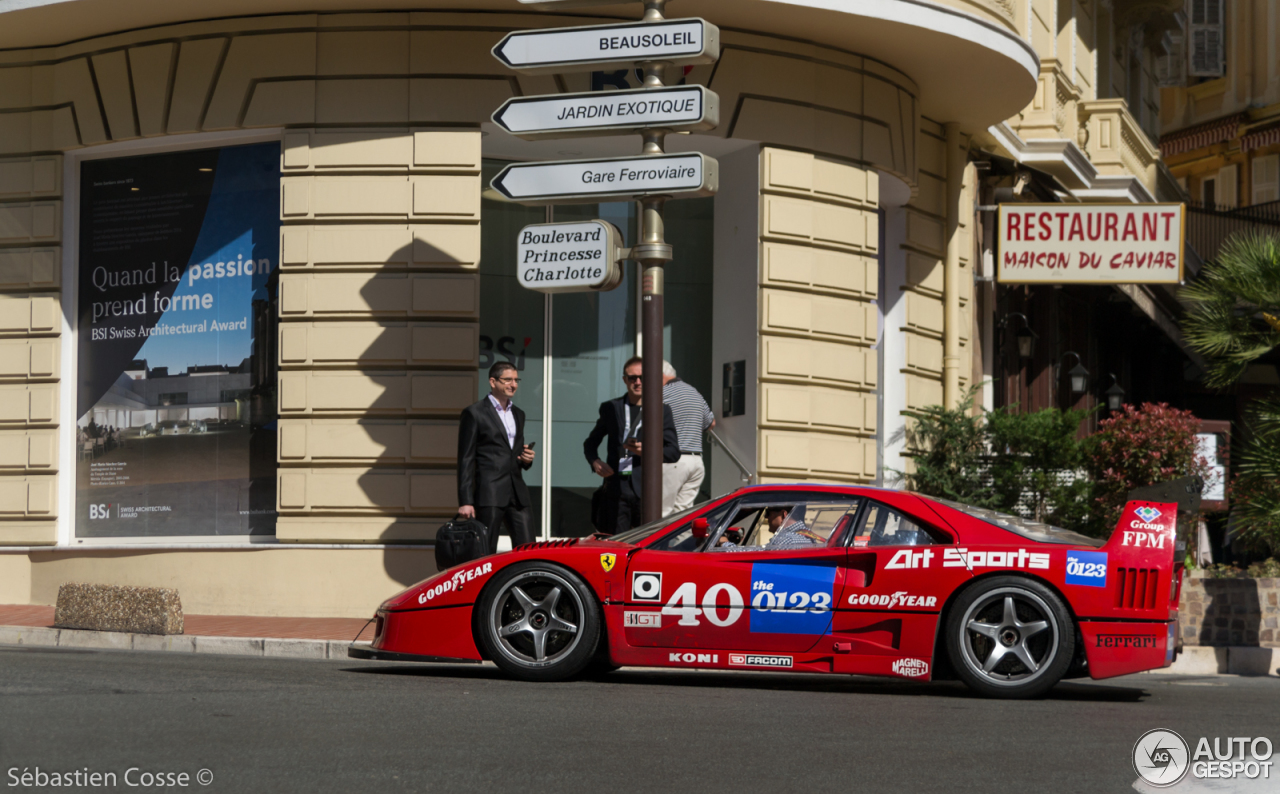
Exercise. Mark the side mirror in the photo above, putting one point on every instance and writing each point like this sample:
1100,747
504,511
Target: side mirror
701,528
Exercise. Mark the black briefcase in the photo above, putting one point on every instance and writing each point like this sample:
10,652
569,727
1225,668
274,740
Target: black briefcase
461,540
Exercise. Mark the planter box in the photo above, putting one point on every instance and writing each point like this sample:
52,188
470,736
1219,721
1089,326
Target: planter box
1230,612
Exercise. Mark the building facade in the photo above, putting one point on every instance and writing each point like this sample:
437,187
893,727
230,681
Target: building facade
324,172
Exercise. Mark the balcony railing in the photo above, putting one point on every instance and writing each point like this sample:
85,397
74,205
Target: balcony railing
1209,225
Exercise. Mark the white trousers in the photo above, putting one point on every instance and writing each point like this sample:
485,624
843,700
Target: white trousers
680,483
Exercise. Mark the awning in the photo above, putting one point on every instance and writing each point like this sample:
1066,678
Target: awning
1260,137
1201,135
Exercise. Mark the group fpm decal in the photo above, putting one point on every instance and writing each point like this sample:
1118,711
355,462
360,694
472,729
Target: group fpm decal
791,599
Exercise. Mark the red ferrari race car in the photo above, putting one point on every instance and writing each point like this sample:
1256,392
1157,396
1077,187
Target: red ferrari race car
812,578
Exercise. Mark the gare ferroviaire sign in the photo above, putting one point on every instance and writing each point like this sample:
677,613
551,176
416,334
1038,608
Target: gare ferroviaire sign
1090,243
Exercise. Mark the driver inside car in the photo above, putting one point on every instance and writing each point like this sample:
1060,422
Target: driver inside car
786,534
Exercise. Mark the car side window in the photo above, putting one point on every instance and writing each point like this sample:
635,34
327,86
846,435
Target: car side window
785,526
884,526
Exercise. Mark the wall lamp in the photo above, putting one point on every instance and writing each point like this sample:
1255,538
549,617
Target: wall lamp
1025,336
1115,395
1078,375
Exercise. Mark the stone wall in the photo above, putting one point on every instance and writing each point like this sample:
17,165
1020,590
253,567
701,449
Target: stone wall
1222,612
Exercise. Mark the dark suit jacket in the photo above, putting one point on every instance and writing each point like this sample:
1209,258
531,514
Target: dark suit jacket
611,423
489,471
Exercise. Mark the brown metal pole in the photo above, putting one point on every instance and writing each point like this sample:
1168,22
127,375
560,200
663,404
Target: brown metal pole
652,321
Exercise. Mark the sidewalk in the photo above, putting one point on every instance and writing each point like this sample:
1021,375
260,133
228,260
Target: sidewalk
311,638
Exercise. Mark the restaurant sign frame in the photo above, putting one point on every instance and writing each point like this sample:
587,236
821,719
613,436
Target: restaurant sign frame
1119,243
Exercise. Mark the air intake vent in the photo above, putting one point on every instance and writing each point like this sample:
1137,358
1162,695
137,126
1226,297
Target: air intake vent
547,544
1136,588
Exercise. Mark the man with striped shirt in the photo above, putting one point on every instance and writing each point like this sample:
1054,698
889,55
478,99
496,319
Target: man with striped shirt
682,479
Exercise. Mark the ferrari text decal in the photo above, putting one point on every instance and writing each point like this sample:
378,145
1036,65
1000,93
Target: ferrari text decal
963,558
455,582
911,668
758,660
791,599
642,620
909,559
898,599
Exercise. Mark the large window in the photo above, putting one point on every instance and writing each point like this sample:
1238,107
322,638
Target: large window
588,337
176,408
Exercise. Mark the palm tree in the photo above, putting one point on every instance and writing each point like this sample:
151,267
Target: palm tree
1233,312
1233,319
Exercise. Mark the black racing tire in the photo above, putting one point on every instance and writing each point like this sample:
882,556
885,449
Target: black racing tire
1010,637
538,621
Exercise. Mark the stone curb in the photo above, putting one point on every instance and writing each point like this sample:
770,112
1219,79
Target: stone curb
182,643
1234,660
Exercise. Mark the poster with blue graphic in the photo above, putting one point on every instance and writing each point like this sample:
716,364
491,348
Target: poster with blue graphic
175,431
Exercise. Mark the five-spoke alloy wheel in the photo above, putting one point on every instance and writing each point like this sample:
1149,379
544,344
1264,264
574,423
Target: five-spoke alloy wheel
1010,637
538,621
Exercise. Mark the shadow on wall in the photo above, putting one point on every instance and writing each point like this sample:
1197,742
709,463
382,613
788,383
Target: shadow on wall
1233,612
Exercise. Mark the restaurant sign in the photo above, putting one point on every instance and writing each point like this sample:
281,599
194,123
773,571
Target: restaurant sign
1090,243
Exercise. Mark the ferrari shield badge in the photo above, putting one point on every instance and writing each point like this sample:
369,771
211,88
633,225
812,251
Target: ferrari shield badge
607,561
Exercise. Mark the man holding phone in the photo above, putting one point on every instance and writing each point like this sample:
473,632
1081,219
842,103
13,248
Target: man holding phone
620,422
492,456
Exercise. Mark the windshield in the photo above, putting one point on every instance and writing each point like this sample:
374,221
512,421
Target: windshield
1025,527
641,532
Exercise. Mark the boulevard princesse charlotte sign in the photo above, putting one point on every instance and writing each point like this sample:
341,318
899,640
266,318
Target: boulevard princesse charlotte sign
1090,243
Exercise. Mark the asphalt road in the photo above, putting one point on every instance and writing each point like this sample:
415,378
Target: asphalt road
284,725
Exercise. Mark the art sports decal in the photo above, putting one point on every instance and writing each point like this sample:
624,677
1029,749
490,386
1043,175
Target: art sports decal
607,561
911,668
791,599
456,581
898,599
646,586
1088,568
642,620
758,660
963,558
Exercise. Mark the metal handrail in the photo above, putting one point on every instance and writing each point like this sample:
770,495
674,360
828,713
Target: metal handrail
747,475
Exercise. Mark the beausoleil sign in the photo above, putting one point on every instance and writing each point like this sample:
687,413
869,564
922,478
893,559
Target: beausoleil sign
614,179
569,257
676,109
1090,243
677,41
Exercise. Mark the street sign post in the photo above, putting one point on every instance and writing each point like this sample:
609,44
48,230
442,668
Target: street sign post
687,175
570,257
672,42
675,109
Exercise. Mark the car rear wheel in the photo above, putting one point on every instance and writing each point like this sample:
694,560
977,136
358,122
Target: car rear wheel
1009,637
539,622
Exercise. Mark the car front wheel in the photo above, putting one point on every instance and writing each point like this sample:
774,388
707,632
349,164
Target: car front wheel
1010,637
538,622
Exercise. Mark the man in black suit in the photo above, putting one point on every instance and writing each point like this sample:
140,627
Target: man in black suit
620,422
491,456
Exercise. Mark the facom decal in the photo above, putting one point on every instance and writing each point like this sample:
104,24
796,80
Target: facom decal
607,561
758,660
694,658
898,599
646,586
791,599
642,620
455,582
909,559
963,558
911,668
1087,568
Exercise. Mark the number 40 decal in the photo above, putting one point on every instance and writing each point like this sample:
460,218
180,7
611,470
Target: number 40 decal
684,602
